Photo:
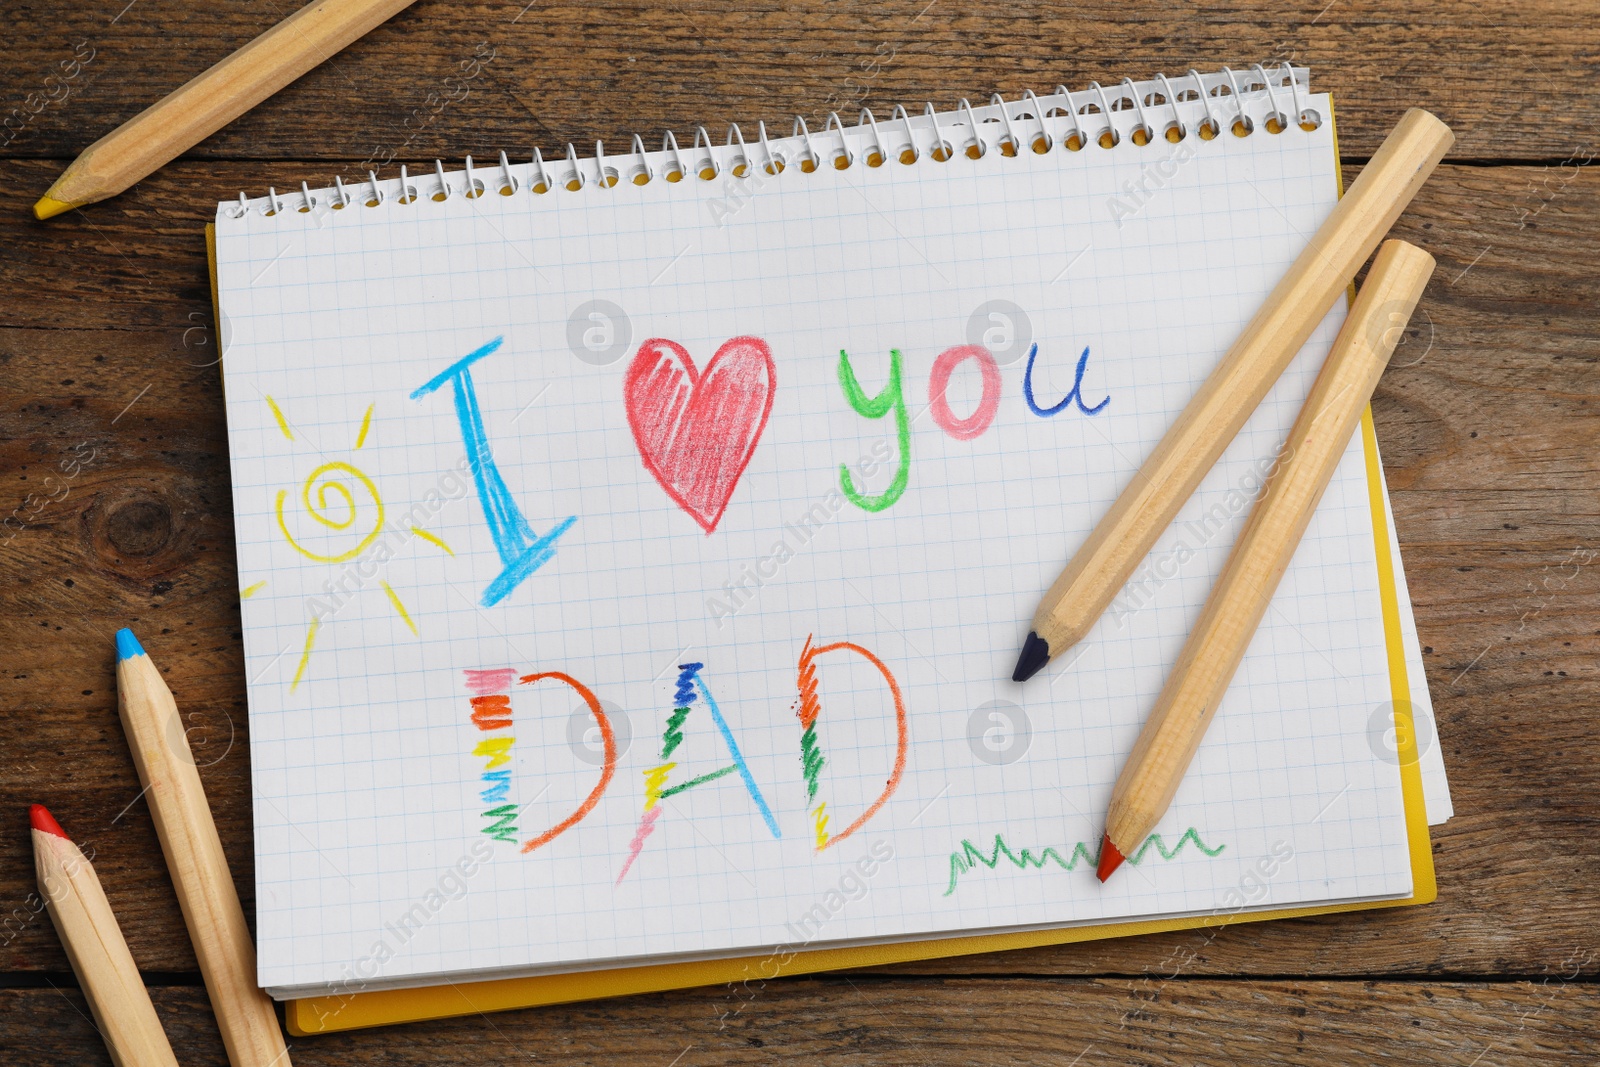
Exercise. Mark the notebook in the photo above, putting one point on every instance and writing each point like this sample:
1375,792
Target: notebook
634,550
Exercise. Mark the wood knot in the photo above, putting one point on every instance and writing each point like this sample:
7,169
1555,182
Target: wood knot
137,532
139,527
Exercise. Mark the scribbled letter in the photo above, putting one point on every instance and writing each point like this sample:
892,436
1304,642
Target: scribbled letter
491,712
1074,395
521,550
811,757
892,397
939,381
658,785
608,767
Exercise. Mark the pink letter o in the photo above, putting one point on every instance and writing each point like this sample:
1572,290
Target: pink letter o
973,425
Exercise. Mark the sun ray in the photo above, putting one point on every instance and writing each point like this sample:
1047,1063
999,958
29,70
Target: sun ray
394,598
334,496
277,413
432,538
305,657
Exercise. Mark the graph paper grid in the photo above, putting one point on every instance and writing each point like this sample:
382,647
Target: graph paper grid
371,857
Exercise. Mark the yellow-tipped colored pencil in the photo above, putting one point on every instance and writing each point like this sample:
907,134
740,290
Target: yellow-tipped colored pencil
1205,667
208,102
94,943
199,870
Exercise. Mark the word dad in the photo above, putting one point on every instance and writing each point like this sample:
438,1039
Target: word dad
491,714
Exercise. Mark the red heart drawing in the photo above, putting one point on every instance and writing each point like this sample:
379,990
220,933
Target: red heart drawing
696,431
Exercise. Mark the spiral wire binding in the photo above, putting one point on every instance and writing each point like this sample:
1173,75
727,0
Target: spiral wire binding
843,157
1176,125
1027,121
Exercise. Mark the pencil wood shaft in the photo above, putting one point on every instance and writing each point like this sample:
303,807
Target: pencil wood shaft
208,102
1317,442
1146,508
100,958
198,866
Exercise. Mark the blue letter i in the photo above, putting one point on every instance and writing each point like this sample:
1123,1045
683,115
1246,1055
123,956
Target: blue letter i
521,550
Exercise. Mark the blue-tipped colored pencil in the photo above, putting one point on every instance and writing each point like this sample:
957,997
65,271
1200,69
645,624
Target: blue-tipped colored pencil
195,860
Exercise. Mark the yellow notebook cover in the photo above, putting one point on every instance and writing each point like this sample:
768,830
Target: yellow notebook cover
349,1011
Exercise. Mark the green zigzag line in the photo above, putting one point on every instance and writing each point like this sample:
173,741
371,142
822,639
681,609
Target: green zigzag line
1191,834
503,830
672,736
811,760
970,855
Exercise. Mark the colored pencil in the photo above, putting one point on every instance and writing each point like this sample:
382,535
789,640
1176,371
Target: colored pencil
1189,700
211,100
1125,536
195,859
99,955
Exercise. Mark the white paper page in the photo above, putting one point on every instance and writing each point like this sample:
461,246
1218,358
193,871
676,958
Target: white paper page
1429,749
370,787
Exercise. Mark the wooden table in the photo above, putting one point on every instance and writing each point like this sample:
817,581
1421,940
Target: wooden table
1489,432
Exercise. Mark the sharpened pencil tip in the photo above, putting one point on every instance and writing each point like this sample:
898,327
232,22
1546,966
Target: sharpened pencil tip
1110,859
48,207
1035,654
128,646
40,817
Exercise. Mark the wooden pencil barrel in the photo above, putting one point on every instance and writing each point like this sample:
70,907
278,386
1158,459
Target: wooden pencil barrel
198,866
217,96
1189,700
99,955
1146,508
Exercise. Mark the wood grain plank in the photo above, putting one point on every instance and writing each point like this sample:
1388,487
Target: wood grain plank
419,87
927,1021
1490,442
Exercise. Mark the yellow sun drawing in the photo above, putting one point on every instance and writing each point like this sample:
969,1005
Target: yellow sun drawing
346,520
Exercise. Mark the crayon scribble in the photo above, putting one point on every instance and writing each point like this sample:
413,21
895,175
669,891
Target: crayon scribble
337,517
281,419
697,431
971,856
939,382
811,756
609,766
491,713
691,689
335,506
305,653
892,397
1074,395
521,550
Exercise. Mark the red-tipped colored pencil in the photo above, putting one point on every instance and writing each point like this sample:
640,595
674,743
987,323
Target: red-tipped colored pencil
93,940
1110,859
1189,700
